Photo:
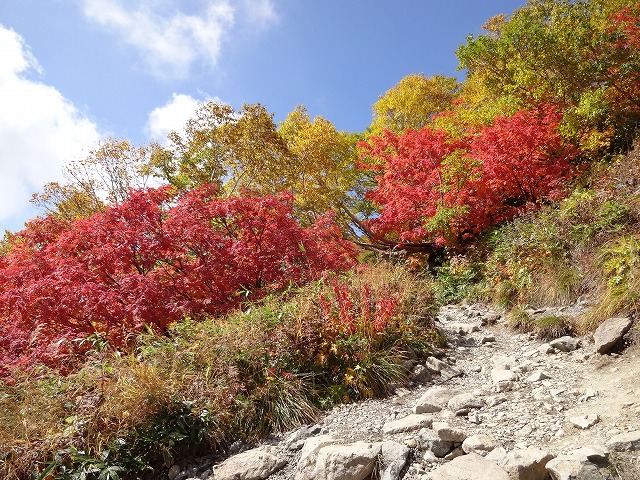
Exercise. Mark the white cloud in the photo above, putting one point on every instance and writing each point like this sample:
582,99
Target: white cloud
172,116
40,130
168,42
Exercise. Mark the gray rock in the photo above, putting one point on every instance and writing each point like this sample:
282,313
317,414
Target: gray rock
487,339
355,461
173,472
469,467
435,365
625,442
430,441
296,439
565,468
407,424
394,458
585,421
429,457
256,464
464,401
455,453
526,464
434,399
447,433
565,344
504,386
610,332
481,444
420,374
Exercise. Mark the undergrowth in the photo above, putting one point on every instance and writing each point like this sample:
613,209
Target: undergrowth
269,367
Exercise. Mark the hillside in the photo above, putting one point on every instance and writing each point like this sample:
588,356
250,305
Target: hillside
281,271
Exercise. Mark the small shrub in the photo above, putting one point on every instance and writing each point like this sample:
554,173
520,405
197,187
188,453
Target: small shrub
520,320
456,280
549,327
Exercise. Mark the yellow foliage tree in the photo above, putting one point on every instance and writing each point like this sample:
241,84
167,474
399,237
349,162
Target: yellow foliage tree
412,103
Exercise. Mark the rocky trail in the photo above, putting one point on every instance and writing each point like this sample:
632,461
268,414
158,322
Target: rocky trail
494,405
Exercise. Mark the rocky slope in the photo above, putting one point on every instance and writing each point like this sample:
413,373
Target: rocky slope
496,404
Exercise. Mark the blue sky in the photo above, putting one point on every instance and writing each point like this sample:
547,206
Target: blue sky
74,72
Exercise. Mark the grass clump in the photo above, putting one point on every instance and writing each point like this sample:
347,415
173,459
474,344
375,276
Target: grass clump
549,327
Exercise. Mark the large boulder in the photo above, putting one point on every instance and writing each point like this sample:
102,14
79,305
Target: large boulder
610,332
407,424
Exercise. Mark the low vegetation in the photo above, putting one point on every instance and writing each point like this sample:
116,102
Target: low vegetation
268,367
247,293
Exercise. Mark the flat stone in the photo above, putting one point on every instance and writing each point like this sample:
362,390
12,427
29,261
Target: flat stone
610,332
407,424
464,401
593,454
565,344
625,442
469,467
434,399
256,464
526,464
585,421
481,444
448,433
500,375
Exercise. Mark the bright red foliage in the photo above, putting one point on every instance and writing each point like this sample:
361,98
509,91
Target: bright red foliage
435,189
410,181
151,261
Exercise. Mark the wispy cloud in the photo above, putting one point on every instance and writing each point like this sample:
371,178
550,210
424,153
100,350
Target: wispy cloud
170,40
40,130
259,13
